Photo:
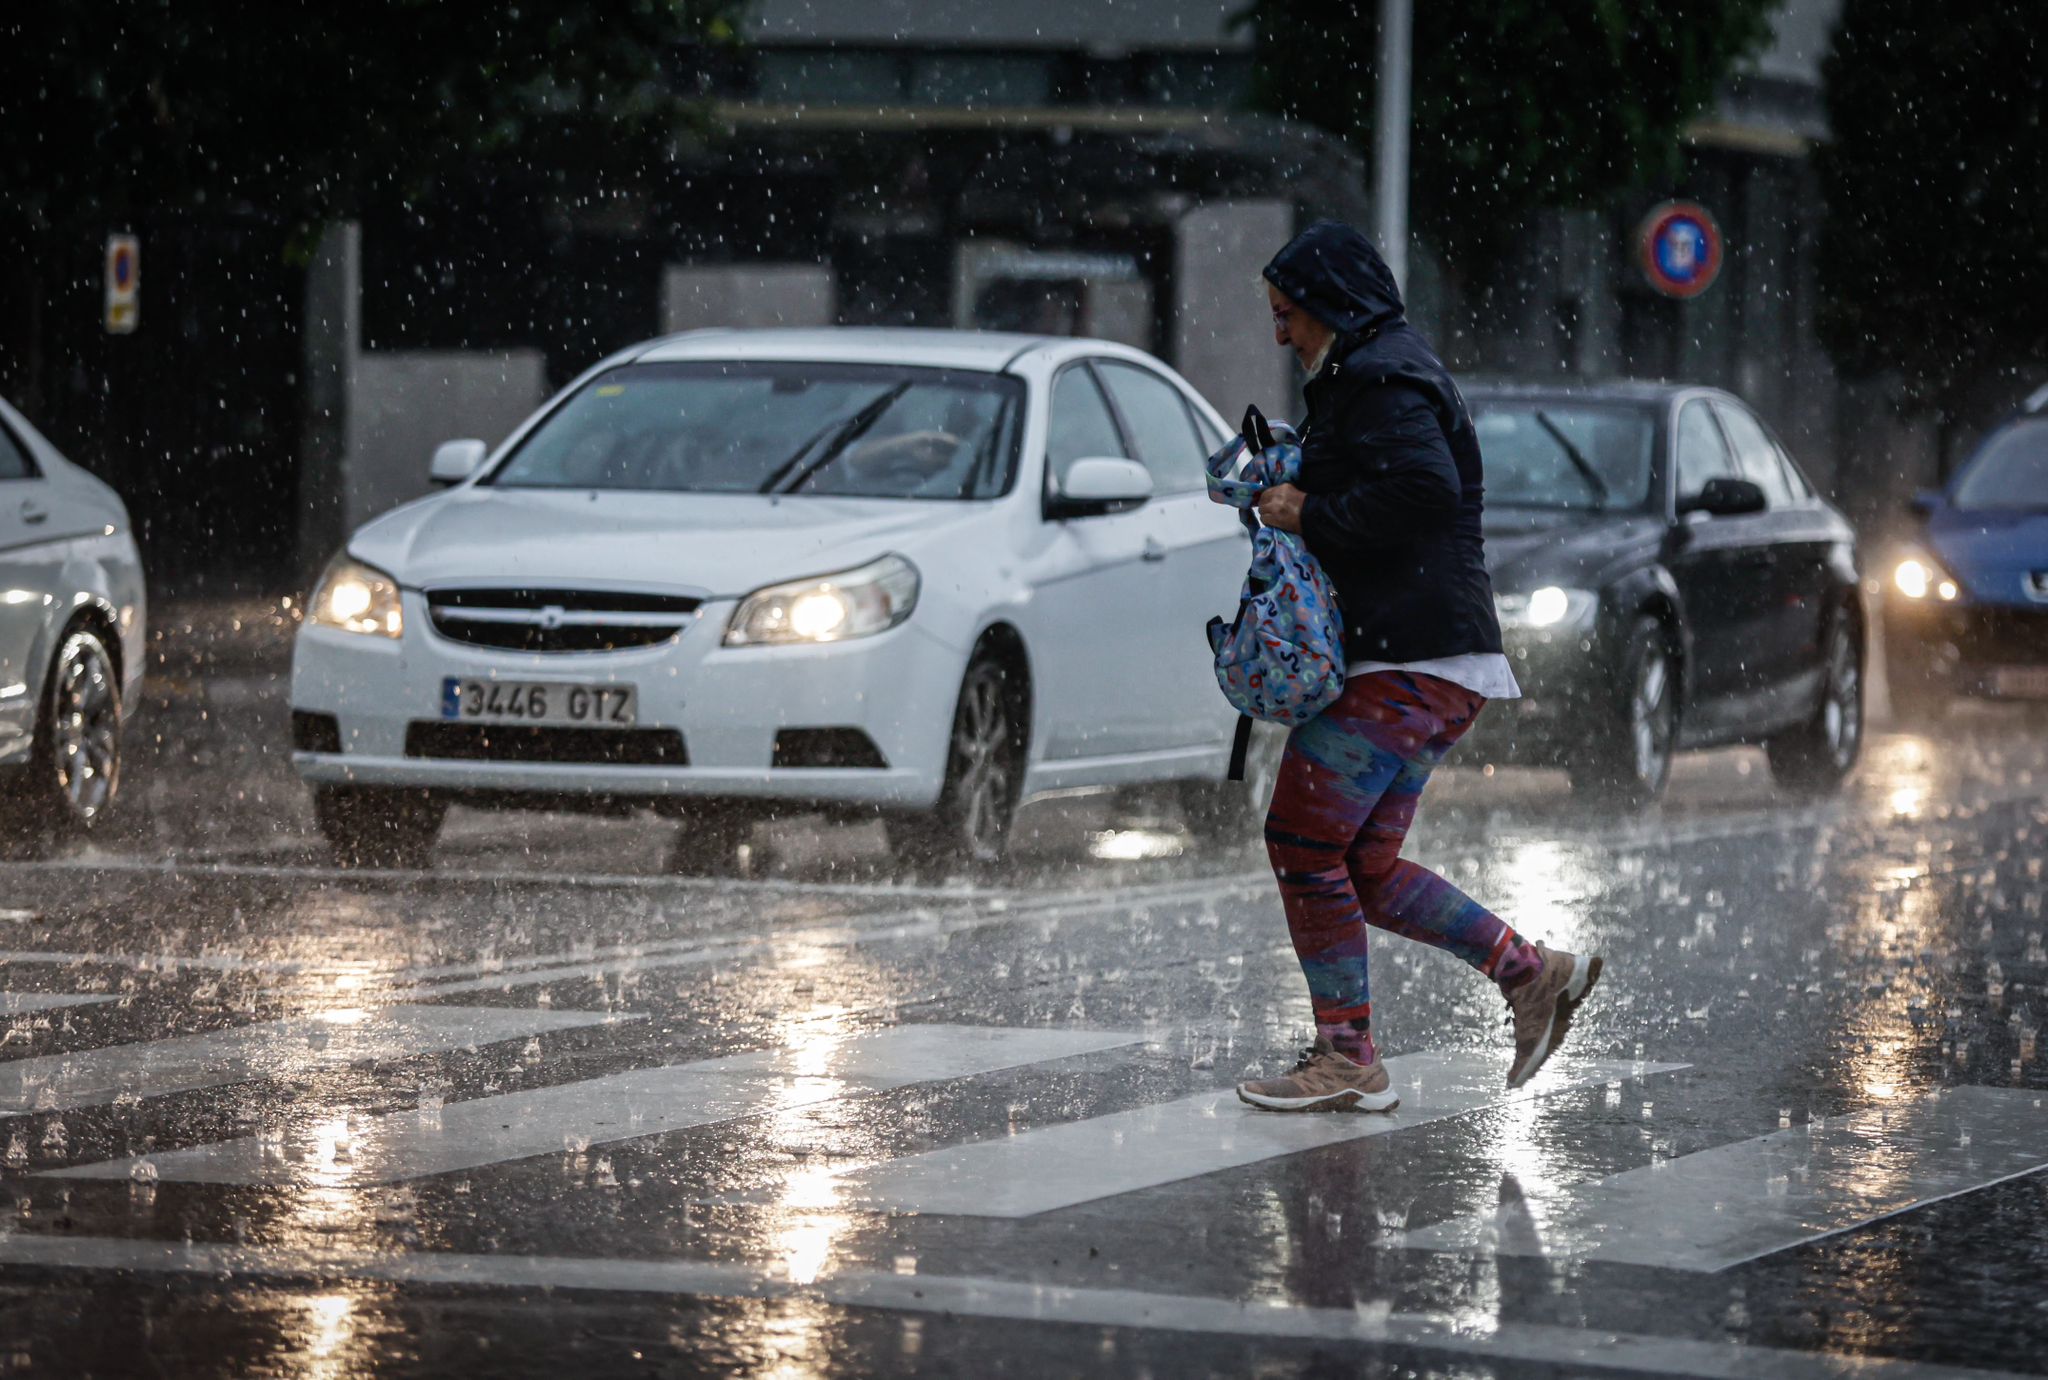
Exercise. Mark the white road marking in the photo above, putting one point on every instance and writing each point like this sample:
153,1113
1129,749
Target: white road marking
1078,1162
874,928
622,1106
1576,1350
21,1003
171,963
273,1049
1721,1207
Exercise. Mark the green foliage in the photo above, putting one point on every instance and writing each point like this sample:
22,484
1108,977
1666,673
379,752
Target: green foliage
1935,192
307,108
1517,103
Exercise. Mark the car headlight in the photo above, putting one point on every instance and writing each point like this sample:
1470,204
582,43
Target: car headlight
1917,576
831,608
1548,607
358,598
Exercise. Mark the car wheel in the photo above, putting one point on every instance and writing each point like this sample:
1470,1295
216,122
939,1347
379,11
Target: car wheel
1627,761
74,767
977,807
1820,753
1232,814
369,826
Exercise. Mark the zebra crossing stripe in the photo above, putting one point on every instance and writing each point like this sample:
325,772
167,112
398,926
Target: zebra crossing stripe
621,1106
1081,1161
271,1049
1502,1345
23,1003
1735,1203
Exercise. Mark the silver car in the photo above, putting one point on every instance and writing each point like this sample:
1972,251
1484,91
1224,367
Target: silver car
72,618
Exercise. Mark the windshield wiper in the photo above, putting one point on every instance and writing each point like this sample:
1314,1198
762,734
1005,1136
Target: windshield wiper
1576,456
843,435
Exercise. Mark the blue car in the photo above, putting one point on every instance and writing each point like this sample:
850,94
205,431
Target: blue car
1966,608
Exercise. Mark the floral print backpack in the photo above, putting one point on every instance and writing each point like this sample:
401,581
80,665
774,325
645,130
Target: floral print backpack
1282,657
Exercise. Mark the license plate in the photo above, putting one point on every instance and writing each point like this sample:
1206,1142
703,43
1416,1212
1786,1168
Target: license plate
2020,682
538,702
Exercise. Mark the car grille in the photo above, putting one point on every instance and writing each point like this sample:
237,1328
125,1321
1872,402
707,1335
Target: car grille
559,620
610,747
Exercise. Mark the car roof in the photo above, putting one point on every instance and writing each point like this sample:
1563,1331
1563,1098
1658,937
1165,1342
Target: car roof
1583,390
988,351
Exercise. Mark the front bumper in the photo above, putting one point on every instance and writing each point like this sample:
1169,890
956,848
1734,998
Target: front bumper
1567,693
727,704
1996,651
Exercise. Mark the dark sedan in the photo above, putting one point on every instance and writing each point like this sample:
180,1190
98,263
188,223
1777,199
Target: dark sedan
1667,579
1966,609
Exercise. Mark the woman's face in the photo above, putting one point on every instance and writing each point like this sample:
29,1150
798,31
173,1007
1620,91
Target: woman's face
1296,329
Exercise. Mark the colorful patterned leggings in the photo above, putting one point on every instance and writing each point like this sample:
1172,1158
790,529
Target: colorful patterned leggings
1346,794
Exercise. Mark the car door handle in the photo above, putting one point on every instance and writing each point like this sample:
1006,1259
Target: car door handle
31,511
1154,551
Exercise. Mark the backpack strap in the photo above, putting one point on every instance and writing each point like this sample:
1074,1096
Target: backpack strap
1240,748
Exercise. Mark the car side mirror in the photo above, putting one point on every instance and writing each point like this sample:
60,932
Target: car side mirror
1925,502
455,461
1725,497
1101,485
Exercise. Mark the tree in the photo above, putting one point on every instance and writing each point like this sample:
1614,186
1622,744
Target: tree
1931,262
114,109
1517,103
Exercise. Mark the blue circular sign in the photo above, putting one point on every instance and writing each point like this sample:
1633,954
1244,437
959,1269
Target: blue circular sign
1680,249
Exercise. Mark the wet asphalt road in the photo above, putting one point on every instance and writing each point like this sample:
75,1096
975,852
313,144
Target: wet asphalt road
548,1110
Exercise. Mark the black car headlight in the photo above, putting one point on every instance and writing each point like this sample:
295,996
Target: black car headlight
1551,607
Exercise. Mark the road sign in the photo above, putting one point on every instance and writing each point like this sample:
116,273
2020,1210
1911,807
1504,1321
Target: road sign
124,280
1680,249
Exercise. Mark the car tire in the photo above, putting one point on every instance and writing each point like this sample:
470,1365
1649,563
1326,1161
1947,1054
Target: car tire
708,843
1627,761
1232,814
73,774
971,825
368,826
1816,757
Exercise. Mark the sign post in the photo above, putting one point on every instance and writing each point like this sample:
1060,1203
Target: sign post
1680,249
124,281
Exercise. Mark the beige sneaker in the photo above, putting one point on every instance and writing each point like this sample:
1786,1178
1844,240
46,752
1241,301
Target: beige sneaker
1542,1008
1325,1081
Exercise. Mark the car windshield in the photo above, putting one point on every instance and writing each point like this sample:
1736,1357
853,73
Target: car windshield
727,427
1544,453
2010,473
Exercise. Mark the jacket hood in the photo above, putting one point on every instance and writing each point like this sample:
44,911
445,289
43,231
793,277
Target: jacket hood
1333,271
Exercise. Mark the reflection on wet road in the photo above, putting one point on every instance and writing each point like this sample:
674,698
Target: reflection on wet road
546,1108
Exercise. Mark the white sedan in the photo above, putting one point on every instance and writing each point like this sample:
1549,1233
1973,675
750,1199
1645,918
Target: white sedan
72,625
929,575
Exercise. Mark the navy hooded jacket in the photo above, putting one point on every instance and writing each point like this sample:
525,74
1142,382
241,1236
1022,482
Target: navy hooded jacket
1390,463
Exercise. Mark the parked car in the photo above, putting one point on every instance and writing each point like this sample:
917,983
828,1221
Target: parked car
923,574
72,629
1966,606
1667,579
